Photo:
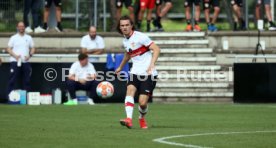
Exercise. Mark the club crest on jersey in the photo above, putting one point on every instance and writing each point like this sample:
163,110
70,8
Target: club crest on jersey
132,45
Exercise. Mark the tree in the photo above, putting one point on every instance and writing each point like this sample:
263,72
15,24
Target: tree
113,15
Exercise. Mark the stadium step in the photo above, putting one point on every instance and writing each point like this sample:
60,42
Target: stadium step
182,42
187,59
175,68
192,85
177,34
186,50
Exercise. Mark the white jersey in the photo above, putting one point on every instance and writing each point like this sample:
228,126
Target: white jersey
137,46
21,45
81,72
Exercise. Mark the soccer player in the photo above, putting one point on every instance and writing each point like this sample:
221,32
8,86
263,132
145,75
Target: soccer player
207,5
144,54
160,12
266,3
145,5
21,48
188,7
237,5
128,5
58,5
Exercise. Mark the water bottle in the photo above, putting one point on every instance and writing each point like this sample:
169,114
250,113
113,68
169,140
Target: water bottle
19,62
57,96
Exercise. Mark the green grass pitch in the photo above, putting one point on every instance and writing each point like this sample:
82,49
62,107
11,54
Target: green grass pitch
98,126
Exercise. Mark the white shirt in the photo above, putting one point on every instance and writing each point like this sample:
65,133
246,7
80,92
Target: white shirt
90,44
21,45
81,72
137,46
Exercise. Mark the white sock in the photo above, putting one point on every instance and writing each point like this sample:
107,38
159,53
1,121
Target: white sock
142,112
129,105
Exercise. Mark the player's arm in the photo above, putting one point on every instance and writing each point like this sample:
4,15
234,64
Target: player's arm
156,51
123,63
9,50
94,51
72,77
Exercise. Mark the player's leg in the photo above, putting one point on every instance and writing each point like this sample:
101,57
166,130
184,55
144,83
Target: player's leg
151,6
145,92
187,5
27,72
129,106
14,73
36,16
143,4
197,15
48,4
132,86
143,109
157,20
128,4
58,5
216,6
206,8
91,86
258,9
166,8
27,8
119,6
272,25
72,86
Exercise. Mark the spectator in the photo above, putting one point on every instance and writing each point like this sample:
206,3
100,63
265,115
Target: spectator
206,5
128,5
266,3
0,61
161,12
237,5
82,76
149,5
21,48
188,5
34,7
58,5
92,44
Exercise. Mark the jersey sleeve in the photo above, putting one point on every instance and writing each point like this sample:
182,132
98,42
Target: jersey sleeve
83,43
100,43
10,43
91,69
72,70
31,43
145,40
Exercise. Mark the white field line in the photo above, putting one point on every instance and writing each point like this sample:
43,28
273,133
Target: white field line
164,139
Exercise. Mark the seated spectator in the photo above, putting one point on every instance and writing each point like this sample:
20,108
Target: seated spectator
237,5
207,4
161,12
34,7
92,44
188,8
145,5
82,76
266,3
58,5
128,5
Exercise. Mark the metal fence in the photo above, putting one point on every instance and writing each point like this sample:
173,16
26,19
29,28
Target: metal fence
76,14
79,14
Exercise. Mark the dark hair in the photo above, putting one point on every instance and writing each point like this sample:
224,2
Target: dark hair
82,56
125,17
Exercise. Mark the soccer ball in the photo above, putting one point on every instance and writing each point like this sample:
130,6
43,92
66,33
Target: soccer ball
105,90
